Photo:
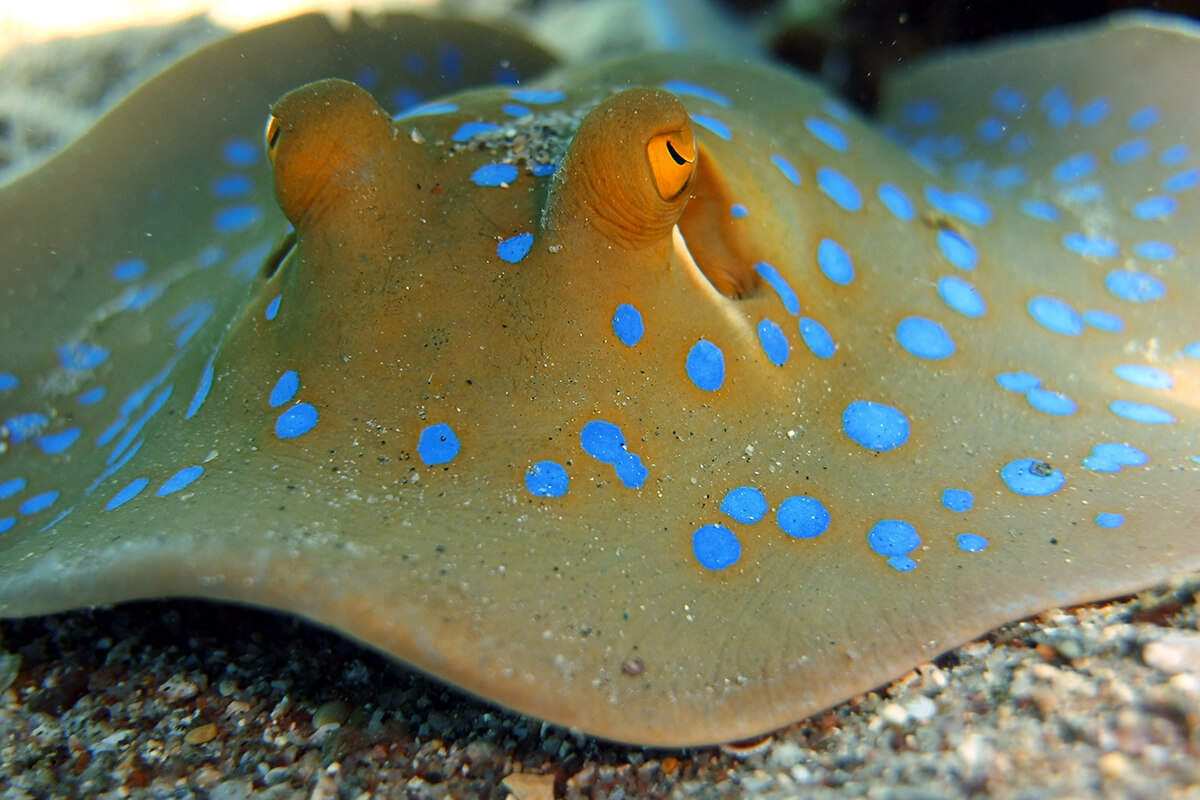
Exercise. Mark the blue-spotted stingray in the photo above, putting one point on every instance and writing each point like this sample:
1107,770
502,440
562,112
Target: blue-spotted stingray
668,399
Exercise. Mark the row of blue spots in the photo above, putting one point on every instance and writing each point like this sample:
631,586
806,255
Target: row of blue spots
713,124
547,479
1134,287
1114,456
300,418
835,262
1055,315
237,218
838,188
1032,477
963,205
604,442
924,338
81,356
1144,375
875,426
494,175
438,444
1109,520
1141,412
957,250
627,325
1043,400
774,343
894,539
23,427
828,133
705,365
817,338
961,296
782,288
958,500
789,171
515,248
240,152
696,90
896,201
272,310
131,269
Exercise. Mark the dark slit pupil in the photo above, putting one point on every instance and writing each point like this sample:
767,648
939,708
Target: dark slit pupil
680,160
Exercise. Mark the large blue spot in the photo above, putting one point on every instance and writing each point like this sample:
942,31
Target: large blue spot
1154,208
237,218
125,495
1129,151
893,537
1141,412
437,445
1144,375
706,365
713,124
1134,287
296,421
514,249
494,175
54,443
10,487
1018,381
745,504
875,426
1073,168
1055,315
431,110
1110,520
1032,477
1143,118
1114,456
835,262
81,356
1174,155
8,381
469,130
627,325
38,503
602,441
547,479
1091,246
782,288
961,296
839,189
273,308
631,471
285,388
957,250
828,133
896,202
817,338
958,500
991,130
1049,402
924,338
971,543
802,517
773,342
716,547
179,481
1182,181
696,90
786,167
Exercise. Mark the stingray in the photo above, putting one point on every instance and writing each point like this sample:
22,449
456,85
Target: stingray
668,399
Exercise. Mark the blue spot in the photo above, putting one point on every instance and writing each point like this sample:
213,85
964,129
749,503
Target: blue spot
696,90
627,325
136,427
966,207
38,503
835,262
1083,194
961,296
839,189
817,338
139,298
1019,144
1008,177
602,441
11,487
7,523
367,78
538,97
773,342
285,388
893,537
8,381
469,130
713,124
514,249
1049,402
630,470
214,254
180,480
957,250
1056,105
1090,246
901,563
875,426
802,517
1154,208
1114,456
706,365
921,112
716,547
1094,112
55,443
131,269
991,130
202,388
1143,375
541,170
189,321
80,356
782,288
23,427
495,175
1182,181
235,219
547,479
437,445
1192,350
1135,287
745,504
738,211
230,187
786,168
971,543
296,421
431,110
1021,382
1129,151
273,307
125,495
1174,155
828,133
1104,321
1040,209
514,110
1141,412
1032,477
896,202
1055,315
1073,168
1154,251
414,64
1110,520
241,153
958,500
1144,118
836,110
924,338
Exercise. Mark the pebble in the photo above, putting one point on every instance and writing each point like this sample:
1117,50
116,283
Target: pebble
1178,651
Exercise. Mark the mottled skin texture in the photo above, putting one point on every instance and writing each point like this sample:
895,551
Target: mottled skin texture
398,313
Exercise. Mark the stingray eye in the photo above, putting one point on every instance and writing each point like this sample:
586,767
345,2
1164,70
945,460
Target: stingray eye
272,136
672,161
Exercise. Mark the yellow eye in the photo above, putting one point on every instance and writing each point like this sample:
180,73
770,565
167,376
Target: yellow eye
272,136
672,161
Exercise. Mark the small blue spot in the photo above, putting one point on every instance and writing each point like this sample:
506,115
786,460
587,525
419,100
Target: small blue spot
10,487
189,321
514,249
367,78
957,250
1154,208
745,504
893,537
773,342
547,479
541,170
924,338
235,219
901,563
782,288
716,547
1040,209
802,517
1135,287
1009,176
125,495
602,441
1104,321
1020,382
131,269
835,262
1049,402
875,426
1141,412
1032,477
991,130
631,471
296,421
7,523
1192,349
1090,246
1174,155
514,110
1055,315
469,130
38,503
231,187
971,543
139,298
696,90
1154,251
180,480
921,112
738,211
8,381
1114,456
713,124
1143,375
23,427
961,296
202,388
1056,105
1129,151
896,202
627,325
839,189
1073,168
958,500
285,388
1094,112
966,207
241,153
437,445
538,97
55,443
1144,118
495,175
80,356
786,168
817,338
1019,144
273,307
1110,520
828,133
450,64
706,365
1182,181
